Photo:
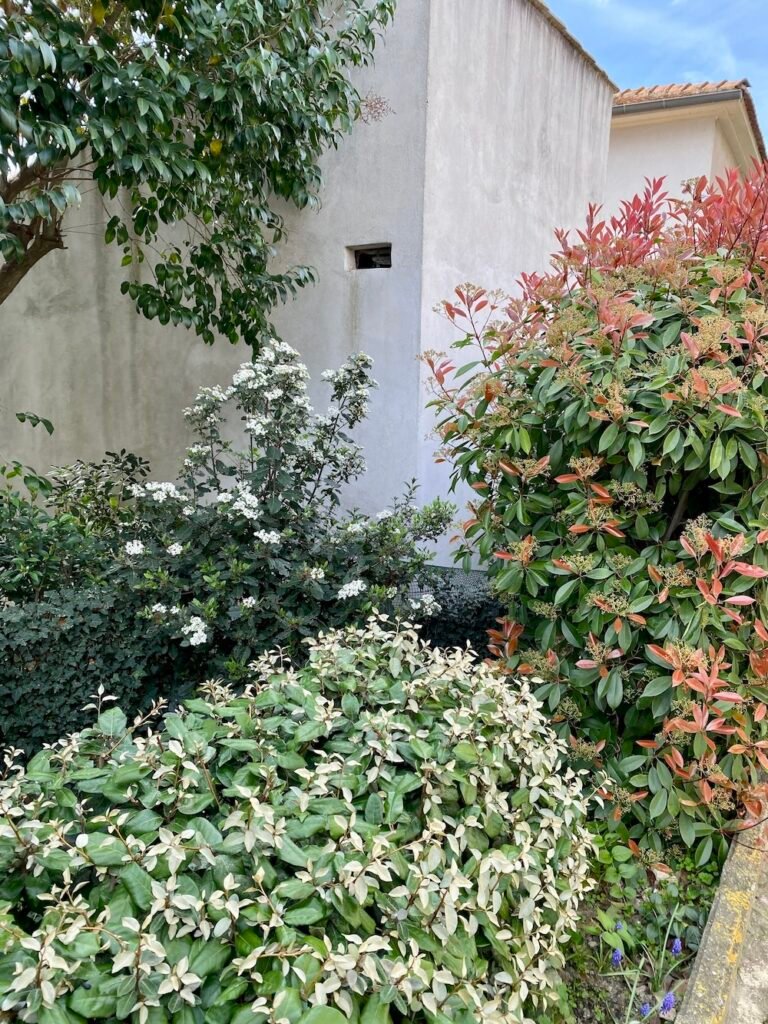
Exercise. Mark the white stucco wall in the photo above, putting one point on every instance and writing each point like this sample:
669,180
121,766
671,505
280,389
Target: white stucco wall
75,350
675,149
723,156
498,133
516,147
373,193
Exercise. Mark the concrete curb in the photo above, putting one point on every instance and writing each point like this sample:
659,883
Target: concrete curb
711,990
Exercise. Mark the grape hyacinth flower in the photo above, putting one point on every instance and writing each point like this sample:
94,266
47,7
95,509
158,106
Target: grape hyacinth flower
619,926
668,1002
677,947
646,1010
616,958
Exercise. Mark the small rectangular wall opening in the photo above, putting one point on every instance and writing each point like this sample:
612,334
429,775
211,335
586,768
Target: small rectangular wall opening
369,257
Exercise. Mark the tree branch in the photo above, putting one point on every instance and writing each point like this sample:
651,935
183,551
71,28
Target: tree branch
40,238
677,516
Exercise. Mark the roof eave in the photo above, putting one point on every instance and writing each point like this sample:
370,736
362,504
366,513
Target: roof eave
700,99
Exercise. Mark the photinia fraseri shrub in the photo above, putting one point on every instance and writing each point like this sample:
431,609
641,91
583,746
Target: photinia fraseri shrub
612,424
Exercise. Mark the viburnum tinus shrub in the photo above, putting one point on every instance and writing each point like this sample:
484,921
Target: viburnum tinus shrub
252,546
612,423
384,834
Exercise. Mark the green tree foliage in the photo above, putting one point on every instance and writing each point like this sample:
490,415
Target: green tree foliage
203,111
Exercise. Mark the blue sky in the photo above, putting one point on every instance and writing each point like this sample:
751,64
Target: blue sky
654,42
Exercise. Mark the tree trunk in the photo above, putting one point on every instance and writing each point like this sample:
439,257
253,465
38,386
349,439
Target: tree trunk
40,238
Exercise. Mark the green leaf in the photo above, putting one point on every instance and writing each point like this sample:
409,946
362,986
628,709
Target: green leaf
703,852
375,1011
309,913
716,456
565,591
658,804
657,686
323,1015
608,436
687,831
636,453
374,809
96,1002
671,441
112,722
138,883
621,854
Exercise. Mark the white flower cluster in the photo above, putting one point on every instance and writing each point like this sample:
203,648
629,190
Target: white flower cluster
427,604
249,602
134,547
174,550
195,631
160,492
241,501
162,609
355,529
316,574
255,427
268,536
352,589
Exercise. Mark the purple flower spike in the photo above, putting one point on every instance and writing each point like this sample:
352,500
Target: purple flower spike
677,947
646,1010
668,1003
616,957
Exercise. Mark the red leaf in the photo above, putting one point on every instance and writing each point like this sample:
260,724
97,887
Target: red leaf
753,571
660,653
687,545
566,478
729,410
714,546
741,599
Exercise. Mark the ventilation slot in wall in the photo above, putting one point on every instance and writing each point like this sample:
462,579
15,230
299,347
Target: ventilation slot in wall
369,257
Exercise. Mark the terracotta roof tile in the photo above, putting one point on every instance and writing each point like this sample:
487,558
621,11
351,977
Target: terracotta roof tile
647,94
679,93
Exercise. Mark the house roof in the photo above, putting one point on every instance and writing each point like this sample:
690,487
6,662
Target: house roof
558,26
653,97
